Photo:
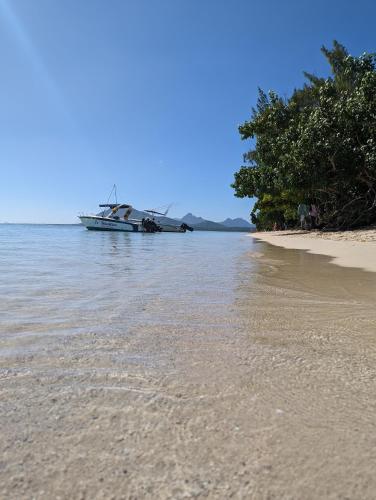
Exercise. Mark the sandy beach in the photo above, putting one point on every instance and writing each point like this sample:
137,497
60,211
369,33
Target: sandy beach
346,248
261,384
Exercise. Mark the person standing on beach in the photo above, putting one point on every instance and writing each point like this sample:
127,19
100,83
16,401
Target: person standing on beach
303,214
313,213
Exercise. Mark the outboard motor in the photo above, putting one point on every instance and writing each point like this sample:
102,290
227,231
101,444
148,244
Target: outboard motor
185,227
150,226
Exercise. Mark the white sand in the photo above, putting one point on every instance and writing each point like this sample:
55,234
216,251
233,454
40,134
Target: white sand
347,248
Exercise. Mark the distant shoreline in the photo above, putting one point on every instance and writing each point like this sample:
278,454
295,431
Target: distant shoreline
347,248
40,224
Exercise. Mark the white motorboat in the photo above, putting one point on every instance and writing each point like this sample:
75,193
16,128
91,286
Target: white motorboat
116,217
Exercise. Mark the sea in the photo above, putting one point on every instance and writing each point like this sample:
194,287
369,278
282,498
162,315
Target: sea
64,279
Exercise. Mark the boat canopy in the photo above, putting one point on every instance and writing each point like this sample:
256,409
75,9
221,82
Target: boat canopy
114,205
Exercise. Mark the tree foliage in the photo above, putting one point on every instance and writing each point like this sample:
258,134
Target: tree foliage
318,146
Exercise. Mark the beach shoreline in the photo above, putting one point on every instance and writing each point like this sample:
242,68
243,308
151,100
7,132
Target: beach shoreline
346,248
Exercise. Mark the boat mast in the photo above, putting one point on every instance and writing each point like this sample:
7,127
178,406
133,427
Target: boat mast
113,190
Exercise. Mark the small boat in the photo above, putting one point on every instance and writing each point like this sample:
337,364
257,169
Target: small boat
115,217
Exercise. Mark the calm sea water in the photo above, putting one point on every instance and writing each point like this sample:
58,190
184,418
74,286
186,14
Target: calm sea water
63,280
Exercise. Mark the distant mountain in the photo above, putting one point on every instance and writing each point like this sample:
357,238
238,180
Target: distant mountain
191,219
207,225
238,222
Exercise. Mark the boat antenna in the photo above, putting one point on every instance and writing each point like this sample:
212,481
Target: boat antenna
168,208
113,190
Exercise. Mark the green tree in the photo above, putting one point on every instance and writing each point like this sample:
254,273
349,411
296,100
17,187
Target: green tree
318,146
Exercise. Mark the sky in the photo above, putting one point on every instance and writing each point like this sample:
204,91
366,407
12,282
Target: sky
148,94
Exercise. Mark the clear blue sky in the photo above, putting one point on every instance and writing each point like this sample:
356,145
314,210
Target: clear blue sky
148,94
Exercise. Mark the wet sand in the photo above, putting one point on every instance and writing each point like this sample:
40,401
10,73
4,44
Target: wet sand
347,248
272,395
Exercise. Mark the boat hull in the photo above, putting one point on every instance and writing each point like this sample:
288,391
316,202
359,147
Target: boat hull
97,223
167,228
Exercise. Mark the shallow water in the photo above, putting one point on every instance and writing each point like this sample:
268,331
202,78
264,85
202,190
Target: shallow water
63,280
203,365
